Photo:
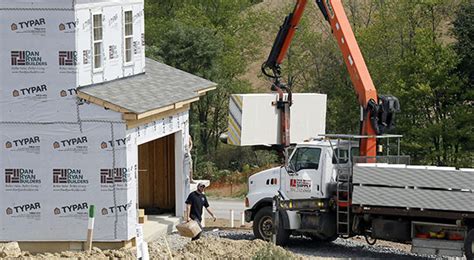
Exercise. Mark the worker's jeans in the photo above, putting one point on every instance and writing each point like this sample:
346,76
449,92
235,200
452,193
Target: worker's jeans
198,235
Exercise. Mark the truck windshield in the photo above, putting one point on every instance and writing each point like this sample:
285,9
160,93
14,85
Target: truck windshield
342,154
305,158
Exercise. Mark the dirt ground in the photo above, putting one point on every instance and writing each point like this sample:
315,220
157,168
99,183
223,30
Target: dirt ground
226,190
220,241
218,248
172,246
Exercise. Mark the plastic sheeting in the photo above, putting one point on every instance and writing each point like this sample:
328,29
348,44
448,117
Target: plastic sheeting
59,154
53,172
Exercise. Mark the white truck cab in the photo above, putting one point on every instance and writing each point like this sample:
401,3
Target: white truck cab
311,174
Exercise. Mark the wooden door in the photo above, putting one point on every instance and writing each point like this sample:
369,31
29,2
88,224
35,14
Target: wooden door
156,178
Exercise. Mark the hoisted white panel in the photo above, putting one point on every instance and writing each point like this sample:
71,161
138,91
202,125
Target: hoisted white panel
254,120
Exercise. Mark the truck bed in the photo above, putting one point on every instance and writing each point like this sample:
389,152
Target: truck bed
420,187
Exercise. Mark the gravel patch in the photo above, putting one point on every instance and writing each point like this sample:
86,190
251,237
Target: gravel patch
341,248
299,246
217,244
347,248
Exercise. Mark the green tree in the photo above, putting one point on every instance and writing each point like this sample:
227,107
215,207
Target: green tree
464,47
463,30
211,39
408,52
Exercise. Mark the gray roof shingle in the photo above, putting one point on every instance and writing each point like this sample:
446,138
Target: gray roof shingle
160,86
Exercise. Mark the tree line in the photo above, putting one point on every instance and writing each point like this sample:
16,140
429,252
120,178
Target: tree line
419,51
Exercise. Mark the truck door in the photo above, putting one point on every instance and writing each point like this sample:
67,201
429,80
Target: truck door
304,174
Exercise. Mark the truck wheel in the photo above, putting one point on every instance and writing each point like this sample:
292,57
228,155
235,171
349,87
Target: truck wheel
469,245
263,227
263,224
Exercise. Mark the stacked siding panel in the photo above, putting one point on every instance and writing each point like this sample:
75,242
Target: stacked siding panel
435,188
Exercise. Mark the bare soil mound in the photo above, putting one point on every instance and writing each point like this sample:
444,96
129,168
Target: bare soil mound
219,248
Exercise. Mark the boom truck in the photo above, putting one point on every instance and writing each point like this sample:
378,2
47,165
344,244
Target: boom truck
340,186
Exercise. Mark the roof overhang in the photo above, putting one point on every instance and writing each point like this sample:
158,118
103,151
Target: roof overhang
142,98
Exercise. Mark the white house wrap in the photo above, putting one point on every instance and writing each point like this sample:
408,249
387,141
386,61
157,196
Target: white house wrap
60,153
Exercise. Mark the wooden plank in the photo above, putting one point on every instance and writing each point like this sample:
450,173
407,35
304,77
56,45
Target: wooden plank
171,172
60,246
155,111
134,123
203,91
145,178
158,177
142,219
186,102
129,116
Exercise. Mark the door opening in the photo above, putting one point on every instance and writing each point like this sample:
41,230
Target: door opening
156,178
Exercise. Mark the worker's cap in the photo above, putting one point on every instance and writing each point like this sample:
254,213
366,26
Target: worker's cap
201,185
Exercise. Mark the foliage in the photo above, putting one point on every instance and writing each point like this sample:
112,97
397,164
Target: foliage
463,30
409,53
214,40
408,56
419,51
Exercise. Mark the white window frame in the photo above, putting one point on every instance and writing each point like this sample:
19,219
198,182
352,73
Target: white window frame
127,37
97,41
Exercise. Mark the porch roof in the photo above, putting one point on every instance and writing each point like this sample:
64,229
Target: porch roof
161,88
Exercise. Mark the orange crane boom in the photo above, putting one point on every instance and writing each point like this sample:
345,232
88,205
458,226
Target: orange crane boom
378,112
360,77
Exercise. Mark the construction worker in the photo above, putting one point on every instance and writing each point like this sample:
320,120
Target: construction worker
194,204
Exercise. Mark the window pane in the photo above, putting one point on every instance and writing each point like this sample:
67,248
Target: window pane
97,20
128,29
97,27
306,158
128,49
97,62
128,17
128,43
97,48
128,55
97,55
97,34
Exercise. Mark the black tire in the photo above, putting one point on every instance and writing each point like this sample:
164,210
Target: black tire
263,224
469,245
283,234
263,227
